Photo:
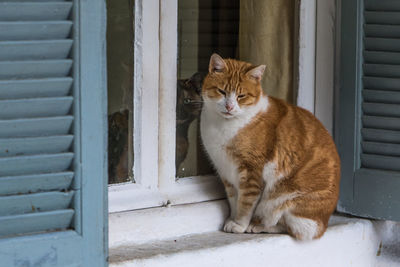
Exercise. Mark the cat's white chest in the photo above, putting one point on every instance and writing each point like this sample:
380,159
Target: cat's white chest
217,132
215,137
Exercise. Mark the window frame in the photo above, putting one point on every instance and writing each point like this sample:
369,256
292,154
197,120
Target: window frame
155,72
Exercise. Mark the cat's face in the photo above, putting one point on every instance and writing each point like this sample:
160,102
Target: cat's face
231,87
189,100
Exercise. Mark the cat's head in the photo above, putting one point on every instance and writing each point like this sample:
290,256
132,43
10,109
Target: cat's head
231,86
189,100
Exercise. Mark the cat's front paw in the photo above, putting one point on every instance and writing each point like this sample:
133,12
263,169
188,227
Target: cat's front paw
255,228
233,227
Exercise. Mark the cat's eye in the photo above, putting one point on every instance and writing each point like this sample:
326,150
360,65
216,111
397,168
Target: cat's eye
222,92
187,101
241,96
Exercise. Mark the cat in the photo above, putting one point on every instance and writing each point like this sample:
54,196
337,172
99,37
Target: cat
279,165
188,107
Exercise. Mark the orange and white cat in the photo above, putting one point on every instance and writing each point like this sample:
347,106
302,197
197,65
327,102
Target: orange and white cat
279,165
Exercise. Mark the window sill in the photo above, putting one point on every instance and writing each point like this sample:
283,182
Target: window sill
147,225
188,235
128,196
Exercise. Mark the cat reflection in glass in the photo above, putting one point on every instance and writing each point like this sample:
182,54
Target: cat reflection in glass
188,107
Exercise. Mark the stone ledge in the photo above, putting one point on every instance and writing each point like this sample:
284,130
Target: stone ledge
347,242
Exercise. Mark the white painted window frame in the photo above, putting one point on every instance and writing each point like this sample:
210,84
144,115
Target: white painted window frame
318,47
154,105
307,21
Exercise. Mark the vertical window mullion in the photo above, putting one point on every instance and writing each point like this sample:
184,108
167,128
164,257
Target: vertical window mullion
167,93
146,84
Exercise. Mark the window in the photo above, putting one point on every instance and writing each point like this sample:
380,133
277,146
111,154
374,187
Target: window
204,27
120,35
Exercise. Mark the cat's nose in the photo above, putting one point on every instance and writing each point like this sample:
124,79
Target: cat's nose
229,107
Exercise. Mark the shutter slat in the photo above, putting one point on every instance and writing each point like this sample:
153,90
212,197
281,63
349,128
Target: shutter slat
35,50
380,83
22,165
381,148
35,183
381,96
33,11
33,108
381,122
50,87
379,17
382,44
35,30
34,69
378,135
379,109
35,127
383,31
36,222
35,145
381,57
380,162
382,5
39,202
380,70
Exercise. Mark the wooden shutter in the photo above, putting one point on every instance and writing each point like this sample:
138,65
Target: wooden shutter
36,117
369,107
42,140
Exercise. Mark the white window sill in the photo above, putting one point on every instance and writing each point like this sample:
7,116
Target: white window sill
128,196
188,235
147,225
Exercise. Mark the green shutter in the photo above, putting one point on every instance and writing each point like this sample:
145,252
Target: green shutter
52,117
369,109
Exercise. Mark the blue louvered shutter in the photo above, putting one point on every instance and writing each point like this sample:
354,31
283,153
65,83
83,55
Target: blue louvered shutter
369,107
51,88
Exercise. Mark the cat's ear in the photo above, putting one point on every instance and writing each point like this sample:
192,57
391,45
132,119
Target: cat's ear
197,81
256,72
180,84
217,63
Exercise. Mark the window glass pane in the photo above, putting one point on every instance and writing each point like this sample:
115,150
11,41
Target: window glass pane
120,89
204,27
